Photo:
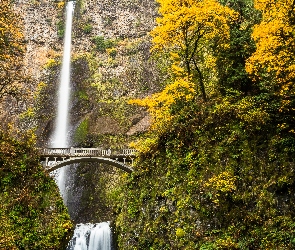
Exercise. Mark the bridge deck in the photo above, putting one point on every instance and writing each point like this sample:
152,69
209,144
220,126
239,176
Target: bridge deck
54,158
72,152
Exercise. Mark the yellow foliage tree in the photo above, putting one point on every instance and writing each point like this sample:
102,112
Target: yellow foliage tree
185,28
274,59
11,50
161,105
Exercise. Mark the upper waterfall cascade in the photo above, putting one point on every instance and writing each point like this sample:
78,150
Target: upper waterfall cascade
60,136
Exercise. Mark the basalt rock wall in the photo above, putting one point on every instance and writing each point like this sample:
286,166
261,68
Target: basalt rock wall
111,54
111,63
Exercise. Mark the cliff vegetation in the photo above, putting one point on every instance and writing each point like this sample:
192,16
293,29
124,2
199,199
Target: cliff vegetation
32,212
216,168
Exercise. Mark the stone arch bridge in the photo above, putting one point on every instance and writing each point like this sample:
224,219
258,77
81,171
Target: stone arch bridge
55,158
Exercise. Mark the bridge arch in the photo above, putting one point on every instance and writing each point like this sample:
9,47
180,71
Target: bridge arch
108,161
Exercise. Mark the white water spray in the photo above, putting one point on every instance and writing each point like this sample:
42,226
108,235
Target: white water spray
100,237
91,237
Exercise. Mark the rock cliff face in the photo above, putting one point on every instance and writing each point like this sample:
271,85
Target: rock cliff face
111,63
114,19
110,36
40,30
111,19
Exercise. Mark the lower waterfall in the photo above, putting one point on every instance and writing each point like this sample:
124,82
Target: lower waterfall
91,237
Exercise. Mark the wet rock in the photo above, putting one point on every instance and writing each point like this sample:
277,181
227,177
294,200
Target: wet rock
140,126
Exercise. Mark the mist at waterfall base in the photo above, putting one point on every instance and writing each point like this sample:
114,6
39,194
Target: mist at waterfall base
86,236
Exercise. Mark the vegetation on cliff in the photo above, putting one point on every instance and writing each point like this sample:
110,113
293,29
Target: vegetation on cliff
32,212
11,50
216,169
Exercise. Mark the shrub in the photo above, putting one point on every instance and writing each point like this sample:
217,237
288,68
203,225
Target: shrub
87,28
101,44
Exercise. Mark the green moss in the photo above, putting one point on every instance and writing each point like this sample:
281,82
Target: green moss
82,95
81,131
60,29
87,28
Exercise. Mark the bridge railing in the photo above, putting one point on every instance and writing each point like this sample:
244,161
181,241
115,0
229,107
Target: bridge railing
72,152
54,151
89,152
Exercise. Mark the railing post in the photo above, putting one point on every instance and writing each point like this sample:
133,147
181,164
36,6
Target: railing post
72,151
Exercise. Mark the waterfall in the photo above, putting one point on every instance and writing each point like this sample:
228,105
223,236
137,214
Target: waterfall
60,136
86,236
91,237
100,237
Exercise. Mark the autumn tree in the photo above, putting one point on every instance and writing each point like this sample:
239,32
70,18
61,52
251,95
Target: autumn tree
11,50
185,28
275,40
272,66
185,31
163,106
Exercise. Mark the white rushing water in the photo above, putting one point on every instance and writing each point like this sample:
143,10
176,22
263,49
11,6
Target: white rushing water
91,237
86,236
60,135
